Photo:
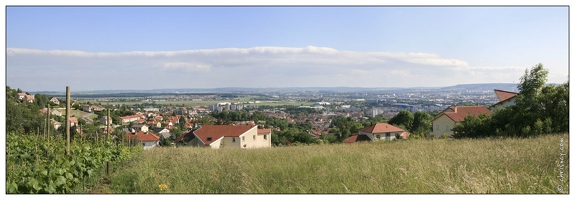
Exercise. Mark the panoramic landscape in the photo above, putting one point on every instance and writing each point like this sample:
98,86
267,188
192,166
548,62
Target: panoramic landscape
287,100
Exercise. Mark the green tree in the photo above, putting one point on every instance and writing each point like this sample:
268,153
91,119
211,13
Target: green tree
182,123
554,104
176,133
421,124
539,109
22,118
474,127
404,118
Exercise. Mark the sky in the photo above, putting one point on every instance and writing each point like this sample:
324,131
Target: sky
161,47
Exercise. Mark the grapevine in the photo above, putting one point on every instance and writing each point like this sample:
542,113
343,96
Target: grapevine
34,166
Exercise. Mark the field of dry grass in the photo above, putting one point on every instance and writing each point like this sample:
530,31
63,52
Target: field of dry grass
502,166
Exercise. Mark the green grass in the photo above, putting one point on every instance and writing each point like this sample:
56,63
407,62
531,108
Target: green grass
415,166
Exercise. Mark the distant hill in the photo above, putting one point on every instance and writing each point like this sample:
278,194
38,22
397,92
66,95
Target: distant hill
483,86
461,87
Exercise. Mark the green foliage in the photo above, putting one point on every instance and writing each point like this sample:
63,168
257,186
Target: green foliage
404,118
418,124
539,109
421,124
374,120
176,132
34,166
205,120
22,117
474,127
329,139
277,122
344,127
182,123
531,83
292,135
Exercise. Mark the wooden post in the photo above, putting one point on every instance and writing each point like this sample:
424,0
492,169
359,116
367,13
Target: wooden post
48,133
108,123
45,124
48,122
67,120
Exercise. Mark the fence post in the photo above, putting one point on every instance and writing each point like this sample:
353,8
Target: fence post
67,120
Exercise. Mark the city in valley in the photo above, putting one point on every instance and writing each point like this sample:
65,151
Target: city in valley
172,113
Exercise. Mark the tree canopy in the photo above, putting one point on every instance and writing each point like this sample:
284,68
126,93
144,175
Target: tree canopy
539,109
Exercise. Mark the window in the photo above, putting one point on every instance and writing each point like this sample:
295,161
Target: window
378,136
209,139
243,138
446,128
254,137
388,135
265,137
437,127
234,139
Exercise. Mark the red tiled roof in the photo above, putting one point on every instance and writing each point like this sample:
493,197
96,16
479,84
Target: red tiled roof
129,117
381,128
460,112
218,131
356,138
264,131
143,136
504,95
73,120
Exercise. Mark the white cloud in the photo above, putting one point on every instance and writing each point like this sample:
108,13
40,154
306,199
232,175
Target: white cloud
187,66
245,67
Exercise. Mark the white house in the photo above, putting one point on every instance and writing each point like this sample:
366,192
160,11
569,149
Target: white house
227,136
149,140
506,98
128,119
379,131
444,122
55,100
162,131
140,127
105,120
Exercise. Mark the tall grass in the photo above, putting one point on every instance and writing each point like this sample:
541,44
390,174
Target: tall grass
415,166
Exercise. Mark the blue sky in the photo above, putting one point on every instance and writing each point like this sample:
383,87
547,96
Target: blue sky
102,48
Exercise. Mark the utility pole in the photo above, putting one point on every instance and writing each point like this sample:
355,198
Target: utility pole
67,120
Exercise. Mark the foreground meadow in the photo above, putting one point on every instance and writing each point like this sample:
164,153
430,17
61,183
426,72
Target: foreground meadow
530,165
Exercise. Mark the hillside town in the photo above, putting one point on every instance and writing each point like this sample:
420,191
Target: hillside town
152,120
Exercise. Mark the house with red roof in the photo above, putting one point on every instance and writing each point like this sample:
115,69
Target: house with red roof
73,121
379,131
227,136
128,119
149,140
29,98
154,124
506,98
444,122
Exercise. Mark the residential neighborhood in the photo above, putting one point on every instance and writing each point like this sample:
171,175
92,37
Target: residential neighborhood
196,126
